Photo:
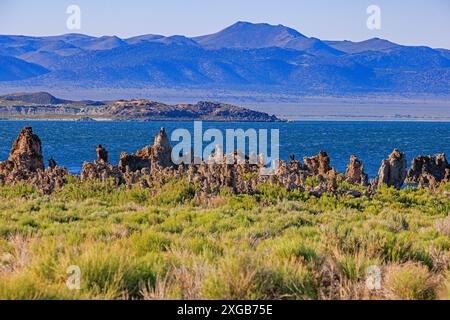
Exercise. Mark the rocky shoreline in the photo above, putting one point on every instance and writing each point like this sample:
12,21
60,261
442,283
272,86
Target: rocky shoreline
42,106
152,167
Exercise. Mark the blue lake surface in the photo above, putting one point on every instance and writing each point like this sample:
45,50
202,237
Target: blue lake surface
72,143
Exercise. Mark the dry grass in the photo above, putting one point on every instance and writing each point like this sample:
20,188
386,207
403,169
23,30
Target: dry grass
160,291
443,226
19,254
343,276
410,281
444,293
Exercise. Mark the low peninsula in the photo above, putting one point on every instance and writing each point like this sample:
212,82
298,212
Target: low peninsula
44,106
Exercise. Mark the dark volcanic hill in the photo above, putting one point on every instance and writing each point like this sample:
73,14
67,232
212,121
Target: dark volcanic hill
35,98
243,57
43,105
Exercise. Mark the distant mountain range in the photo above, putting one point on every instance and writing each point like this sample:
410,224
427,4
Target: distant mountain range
244,56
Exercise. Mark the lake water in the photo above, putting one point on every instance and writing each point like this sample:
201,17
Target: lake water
72,143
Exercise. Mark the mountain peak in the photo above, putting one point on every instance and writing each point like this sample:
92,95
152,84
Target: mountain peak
373,44
378,40
247,35
244,34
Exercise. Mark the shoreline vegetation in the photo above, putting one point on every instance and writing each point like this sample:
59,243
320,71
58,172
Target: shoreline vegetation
149,230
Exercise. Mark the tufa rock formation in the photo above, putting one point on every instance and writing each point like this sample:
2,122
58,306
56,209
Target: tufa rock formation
102,154
101,170
135,162
25,164
162,149
355,173
392,171
52,163
26,153
332,182
49,180
152,167
319,164
429,171
158,154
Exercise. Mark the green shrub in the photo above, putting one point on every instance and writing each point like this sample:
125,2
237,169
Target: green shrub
150,241
174,193
243,276
112,273
26,287
17,191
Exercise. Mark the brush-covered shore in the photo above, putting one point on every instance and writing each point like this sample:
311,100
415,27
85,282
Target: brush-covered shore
164,244
147,229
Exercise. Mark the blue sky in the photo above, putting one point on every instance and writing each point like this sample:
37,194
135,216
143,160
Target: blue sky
413,22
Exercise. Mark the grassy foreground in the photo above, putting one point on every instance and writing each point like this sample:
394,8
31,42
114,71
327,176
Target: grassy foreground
138,244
